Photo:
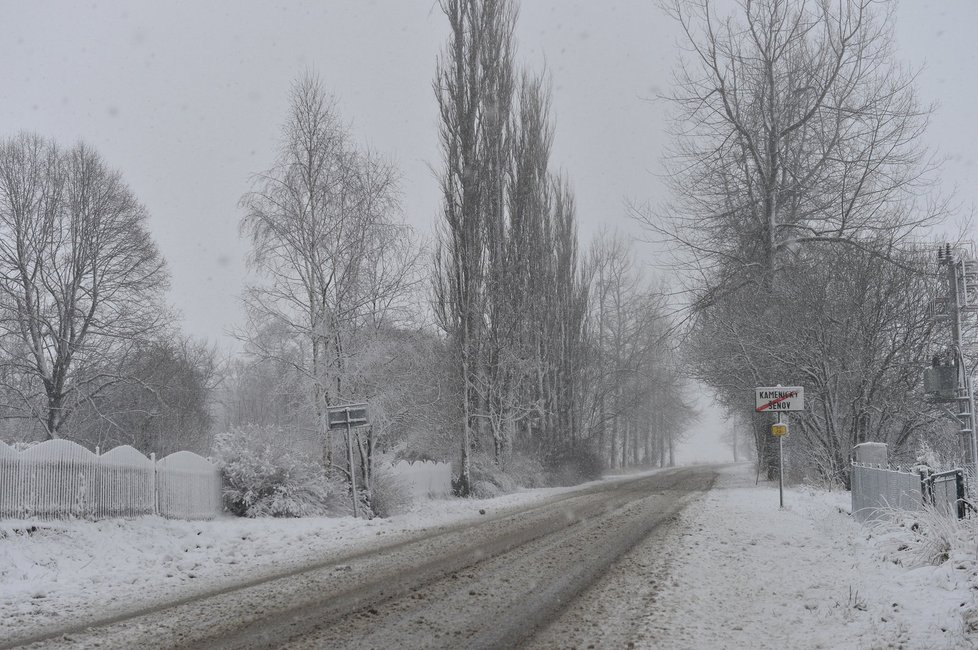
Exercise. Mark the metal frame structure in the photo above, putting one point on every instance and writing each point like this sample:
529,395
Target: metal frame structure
958,271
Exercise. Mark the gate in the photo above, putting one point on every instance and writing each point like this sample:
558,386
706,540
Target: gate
945,491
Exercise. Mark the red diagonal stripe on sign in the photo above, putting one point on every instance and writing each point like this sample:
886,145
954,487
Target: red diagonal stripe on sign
777,401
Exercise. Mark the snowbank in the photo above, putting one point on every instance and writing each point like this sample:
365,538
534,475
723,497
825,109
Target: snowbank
754,576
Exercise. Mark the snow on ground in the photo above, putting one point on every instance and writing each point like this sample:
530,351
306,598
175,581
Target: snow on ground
745,574
55,572
753,576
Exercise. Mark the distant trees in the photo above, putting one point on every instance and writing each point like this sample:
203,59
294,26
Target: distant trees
165,406
797,163
636,409
335,263
81,282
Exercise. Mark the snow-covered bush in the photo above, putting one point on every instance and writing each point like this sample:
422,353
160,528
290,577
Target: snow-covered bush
523,470
485,470
389,495
527,471
484,490
265,476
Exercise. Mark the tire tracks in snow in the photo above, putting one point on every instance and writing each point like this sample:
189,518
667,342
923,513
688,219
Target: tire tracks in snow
489,584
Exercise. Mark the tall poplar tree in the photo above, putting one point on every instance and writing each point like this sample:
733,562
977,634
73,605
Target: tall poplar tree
472,85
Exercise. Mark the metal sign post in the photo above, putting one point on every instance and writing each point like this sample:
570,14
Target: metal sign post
780,459
347,416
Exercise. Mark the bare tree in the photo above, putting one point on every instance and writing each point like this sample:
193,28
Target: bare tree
865,336
81,280
565,291
793,125
327,246
795,133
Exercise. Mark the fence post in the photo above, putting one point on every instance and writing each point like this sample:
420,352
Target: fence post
924,487
959,489
156,490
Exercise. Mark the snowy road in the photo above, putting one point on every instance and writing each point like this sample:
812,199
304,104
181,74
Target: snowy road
498,583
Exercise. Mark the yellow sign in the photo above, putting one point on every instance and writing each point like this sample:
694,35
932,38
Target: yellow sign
779,430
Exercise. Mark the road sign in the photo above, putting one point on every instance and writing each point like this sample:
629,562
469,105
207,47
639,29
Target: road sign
353,415
347,416
779,429
775,399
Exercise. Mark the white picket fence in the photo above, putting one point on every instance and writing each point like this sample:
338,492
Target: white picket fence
59,479
425,479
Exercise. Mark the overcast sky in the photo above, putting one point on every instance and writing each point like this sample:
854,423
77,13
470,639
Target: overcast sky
187,99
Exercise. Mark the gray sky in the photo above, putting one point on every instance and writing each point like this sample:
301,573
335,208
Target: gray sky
186,99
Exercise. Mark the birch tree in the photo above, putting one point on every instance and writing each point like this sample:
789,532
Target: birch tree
325,239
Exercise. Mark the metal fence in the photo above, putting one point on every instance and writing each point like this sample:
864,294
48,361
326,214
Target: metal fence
59,479
875,489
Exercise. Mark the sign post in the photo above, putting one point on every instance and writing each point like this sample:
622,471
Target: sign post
348,416
778,427
779,399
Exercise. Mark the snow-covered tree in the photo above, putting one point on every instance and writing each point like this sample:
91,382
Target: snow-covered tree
330,250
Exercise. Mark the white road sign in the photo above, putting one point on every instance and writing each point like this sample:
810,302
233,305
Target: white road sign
779,398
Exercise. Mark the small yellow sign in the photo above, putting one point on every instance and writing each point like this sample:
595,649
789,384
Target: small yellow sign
779,430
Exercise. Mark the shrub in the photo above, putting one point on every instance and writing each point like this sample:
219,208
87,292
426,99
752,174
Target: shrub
264,476
485,471
526,471
388,494
925,537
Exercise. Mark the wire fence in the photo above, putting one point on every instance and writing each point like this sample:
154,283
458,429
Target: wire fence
59,479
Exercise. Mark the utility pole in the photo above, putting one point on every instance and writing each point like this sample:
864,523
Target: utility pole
962,287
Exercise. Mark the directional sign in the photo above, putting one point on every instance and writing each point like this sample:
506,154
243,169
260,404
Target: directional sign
779,398
348,416
353,415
